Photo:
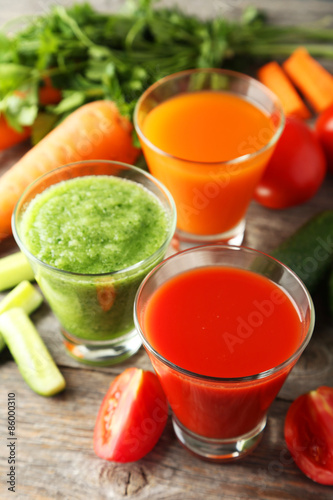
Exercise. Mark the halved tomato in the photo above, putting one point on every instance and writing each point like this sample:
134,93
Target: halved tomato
131,418
308,432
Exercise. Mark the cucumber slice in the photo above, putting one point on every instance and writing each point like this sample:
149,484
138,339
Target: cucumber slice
330,292
23,295
2,342
33,359
13,269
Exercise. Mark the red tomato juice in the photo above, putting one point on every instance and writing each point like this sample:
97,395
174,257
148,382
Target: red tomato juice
200,131
221,322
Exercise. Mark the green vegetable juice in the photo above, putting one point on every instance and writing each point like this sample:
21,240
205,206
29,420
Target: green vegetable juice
103,234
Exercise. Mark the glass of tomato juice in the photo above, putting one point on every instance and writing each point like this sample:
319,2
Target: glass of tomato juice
223,326
208,134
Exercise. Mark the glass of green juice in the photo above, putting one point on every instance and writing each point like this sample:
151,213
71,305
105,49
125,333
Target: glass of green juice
91,231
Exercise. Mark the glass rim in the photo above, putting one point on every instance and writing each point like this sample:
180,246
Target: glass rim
129,269
226,380
227,72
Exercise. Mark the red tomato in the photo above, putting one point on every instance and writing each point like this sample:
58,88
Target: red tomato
324,133
308,432
296,169
9,137
48,94
131,418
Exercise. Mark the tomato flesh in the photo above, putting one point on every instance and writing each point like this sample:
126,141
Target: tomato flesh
308,433
131,418
324,133
296,169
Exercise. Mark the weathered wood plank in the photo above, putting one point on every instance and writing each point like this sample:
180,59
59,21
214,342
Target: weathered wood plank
282,12
56,459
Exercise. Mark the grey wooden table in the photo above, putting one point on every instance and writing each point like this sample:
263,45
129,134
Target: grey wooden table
55,458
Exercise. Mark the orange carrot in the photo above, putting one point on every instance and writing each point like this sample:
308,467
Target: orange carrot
9,137
273,76
95,131
311,78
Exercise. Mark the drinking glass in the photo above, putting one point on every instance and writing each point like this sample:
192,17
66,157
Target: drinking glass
95,311
211,197
223,419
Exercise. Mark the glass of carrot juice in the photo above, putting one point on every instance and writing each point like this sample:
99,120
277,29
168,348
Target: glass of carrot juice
208,134
223,326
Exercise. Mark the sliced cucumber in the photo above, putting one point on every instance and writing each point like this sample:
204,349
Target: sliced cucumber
2,342
13,269
24,295
330,292
33,359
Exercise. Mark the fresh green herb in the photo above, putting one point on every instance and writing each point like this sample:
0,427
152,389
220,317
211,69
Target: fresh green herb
90,55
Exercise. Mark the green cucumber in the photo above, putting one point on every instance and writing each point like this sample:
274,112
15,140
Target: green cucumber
24,295
13,269
2,342
33,359
309,251
330,292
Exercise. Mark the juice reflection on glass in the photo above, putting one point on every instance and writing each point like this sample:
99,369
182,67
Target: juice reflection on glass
223,327
208,135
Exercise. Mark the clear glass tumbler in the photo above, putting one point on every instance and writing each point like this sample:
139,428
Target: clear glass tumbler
95,311
222,419
211,196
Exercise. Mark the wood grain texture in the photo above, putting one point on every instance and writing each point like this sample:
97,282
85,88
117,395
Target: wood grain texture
55,454
56,460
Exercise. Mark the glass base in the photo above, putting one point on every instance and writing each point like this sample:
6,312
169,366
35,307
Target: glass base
183,240
218,450
102,353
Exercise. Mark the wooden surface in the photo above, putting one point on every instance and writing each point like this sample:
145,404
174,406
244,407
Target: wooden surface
55,459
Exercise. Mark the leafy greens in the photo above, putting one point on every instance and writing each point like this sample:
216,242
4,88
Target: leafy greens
91,55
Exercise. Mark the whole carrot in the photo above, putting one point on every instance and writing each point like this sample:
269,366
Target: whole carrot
311,78
95,131
273,76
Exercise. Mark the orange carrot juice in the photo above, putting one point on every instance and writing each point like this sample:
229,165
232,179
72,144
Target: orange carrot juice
198,139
